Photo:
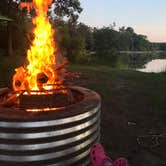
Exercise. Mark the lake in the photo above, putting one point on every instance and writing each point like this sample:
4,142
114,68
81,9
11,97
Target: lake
154,62
154,66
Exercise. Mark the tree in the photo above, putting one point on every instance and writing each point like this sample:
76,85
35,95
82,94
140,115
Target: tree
21,23
71,43
69,8
86,33
16,27
106,44
130,30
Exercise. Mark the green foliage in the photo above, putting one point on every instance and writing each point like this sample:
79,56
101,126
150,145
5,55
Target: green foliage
105,41
130,41
14,28
70,41
17,31
69,8
83,44
86,33
160,46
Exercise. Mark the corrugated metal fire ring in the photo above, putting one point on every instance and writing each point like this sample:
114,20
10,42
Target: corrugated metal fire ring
56,138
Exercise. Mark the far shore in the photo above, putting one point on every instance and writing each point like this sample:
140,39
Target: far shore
142,52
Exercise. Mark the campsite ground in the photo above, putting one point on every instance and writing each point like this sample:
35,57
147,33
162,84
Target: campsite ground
133,105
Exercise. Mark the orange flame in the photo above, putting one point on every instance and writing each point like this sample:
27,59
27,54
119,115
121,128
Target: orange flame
27,5
41,55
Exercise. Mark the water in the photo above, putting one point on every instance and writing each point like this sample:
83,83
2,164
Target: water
154,66
145,62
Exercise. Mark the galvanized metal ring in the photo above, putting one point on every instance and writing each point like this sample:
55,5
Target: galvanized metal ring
49,123
42,146
23,136
48,156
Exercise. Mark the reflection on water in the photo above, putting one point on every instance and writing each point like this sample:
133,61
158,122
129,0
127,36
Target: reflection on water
154,66
144,62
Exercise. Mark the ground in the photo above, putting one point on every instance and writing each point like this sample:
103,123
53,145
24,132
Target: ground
133,105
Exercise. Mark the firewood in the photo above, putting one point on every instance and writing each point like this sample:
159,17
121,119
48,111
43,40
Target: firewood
18,83
70,96
42,78
61,66
4,91
10,100
43,101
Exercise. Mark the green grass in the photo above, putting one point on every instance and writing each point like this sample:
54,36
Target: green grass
126,84
128,96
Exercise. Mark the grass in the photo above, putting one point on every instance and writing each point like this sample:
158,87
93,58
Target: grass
133,104
111,82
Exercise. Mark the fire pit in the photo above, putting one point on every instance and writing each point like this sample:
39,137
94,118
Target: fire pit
44,121
60,137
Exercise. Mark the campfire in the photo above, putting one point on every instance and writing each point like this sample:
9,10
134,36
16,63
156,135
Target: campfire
44,64
44,72
32,130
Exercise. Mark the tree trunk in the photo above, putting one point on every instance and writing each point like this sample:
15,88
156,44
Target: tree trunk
10,42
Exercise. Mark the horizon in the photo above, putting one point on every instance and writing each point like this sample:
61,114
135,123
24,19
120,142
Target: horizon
145,17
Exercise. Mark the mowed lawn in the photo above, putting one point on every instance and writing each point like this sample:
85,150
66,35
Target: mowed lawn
133,105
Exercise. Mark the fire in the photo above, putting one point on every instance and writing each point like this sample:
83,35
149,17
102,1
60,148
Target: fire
42,61
26,5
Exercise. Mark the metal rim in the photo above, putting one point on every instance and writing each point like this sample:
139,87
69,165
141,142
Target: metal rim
49,123
90,100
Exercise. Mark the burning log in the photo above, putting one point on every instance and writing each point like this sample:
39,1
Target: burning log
29,37
43,101
42,78
70,96
61,66
18,83
27,5
10,100
4,91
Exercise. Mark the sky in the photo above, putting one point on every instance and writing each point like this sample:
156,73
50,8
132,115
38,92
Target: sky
147,17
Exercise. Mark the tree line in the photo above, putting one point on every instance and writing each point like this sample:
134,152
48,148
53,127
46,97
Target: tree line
82,42
77,41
